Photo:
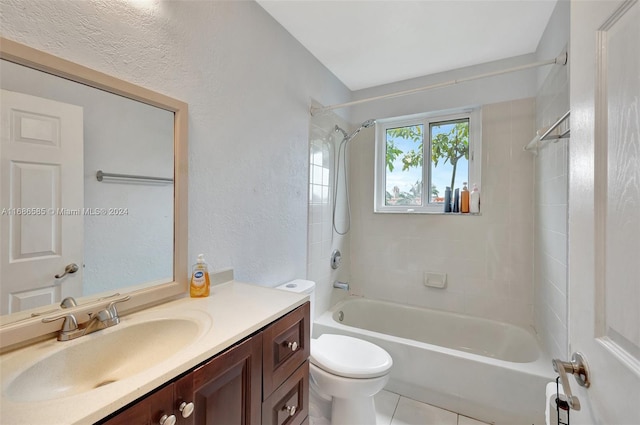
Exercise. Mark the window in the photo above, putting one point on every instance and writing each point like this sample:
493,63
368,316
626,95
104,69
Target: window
407,180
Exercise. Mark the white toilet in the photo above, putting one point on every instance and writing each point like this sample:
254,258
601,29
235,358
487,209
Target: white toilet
346,372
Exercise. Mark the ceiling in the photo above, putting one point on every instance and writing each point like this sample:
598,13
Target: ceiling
367,43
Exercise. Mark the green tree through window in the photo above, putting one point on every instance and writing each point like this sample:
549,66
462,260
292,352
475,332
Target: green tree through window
449,142
450,146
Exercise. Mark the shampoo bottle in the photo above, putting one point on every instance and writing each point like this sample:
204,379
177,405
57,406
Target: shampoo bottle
456,201
464,199
200,283
447,200
474,206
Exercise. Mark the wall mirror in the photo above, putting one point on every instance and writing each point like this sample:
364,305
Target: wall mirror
93,174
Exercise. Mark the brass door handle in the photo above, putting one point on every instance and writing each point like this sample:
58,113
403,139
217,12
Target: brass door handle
70,269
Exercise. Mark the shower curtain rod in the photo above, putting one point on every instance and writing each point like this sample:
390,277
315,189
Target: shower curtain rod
560,60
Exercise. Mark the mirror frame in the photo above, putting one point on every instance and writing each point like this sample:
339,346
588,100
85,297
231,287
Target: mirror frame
17,333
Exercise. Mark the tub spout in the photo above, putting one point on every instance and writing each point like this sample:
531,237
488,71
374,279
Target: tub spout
341,285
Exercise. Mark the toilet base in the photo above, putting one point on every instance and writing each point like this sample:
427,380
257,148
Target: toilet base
353,411
351,400
319,404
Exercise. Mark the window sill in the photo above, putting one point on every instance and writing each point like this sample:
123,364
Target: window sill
429,213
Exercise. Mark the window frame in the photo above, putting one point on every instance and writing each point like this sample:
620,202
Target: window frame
474,115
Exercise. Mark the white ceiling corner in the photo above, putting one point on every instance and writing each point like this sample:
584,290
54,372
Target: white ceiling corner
367,43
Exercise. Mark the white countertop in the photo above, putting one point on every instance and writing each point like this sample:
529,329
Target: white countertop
233,311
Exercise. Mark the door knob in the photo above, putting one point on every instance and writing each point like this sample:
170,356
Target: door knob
70,269
579,369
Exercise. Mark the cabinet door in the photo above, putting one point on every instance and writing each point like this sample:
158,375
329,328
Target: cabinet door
149,410
227,389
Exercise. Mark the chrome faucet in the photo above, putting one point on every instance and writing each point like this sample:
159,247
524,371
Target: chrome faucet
103,319
341,285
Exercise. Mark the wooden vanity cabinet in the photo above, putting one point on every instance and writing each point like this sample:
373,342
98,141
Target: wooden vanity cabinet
262,379
150,410
285,374
226,390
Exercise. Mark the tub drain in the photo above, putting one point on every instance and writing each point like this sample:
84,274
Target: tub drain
340,316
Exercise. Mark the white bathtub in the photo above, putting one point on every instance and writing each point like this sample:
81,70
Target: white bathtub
481,368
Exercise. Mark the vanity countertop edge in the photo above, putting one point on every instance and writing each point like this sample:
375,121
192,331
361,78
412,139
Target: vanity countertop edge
237,310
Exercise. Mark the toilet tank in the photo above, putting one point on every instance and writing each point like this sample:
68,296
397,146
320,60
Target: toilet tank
302,286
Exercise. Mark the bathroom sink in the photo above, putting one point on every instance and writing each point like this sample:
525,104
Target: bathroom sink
98,359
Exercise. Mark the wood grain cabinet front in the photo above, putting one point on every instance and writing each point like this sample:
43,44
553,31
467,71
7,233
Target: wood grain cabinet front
289,404
286,345
262,379
155,408
226,390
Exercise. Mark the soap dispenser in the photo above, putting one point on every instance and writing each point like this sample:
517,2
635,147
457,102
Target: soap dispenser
200,283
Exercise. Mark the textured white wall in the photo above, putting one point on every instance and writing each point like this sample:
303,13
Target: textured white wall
248,84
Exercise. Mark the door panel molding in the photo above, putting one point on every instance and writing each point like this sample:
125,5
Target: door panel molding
617,186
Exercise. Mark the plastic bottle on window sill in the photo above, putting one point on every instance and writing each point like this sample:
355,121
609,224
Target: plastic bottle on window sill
464,199
447,200
474,206
456,201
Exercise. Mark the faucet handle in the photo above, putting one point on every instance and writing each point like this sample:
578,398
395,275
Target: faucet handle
68,302
70,323
112,306
104,315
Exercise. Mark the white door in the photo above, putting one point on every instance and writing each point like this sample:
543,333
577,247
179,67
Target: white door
41,201
604,208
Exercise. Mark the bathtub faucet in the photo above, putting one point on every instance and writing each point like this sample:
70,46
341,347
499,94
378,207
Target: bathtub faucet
341,285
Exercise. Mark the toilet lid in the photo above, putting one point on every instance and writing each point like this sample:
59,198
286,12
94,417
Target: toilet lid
349,357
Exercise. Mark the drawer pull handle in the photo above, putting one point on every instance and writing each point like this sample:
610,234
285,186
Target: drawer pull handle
168,420
293,345
291,410
186,408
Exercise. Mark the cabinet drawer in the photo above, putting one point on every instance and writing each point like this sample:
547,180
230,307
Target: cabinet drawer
285,347
289,404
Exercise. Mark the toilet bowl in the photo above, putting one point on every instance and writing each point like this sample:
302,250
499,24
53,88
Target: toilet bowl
345,372
350,371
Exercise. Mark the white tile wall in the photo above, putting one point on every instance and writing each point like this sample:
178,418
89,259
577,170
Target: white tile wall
550,272
488,258
322,240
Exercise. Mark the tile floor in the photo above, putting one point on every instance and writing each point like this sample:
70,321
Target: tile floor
393,409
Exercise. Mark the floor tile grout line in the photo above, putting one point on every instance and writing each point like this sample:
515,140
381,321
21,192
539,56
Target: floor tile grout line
437,407
395,409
